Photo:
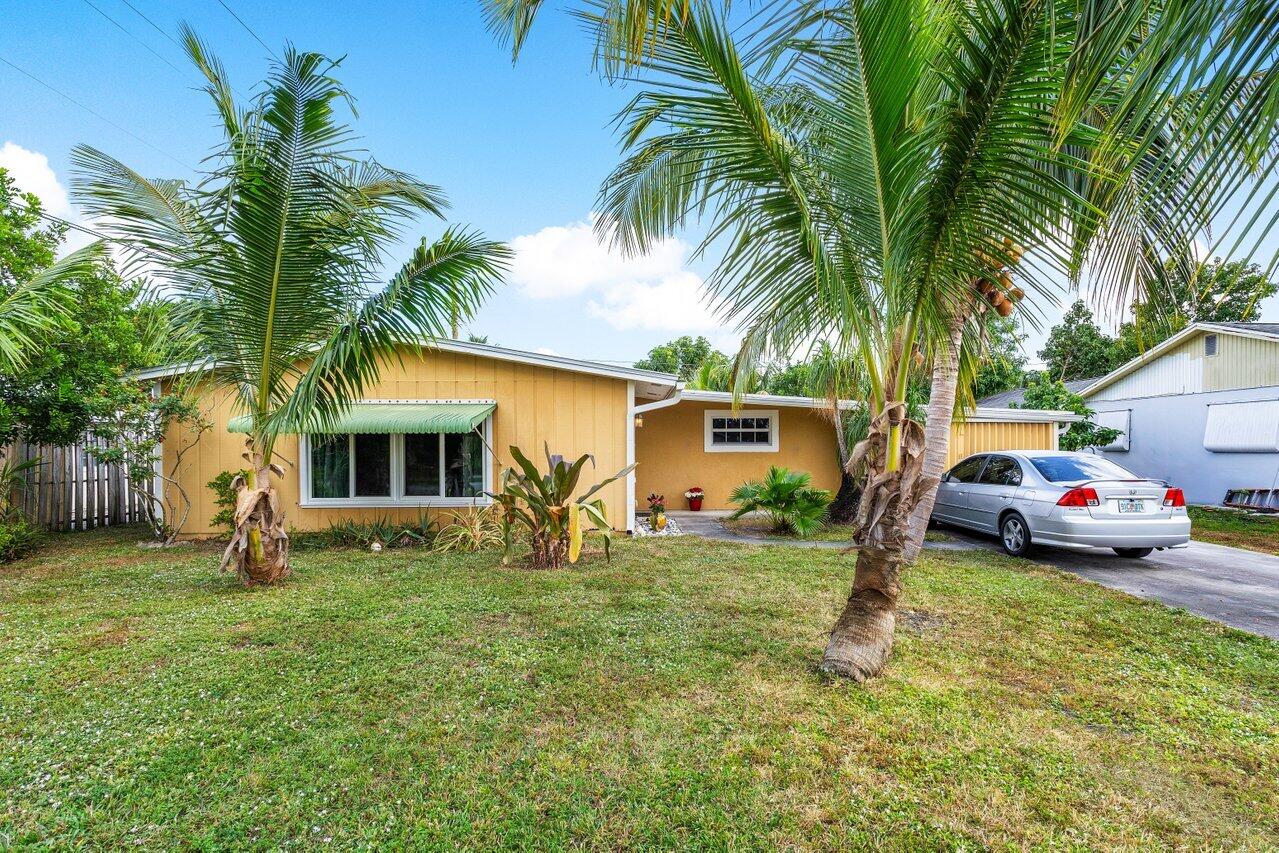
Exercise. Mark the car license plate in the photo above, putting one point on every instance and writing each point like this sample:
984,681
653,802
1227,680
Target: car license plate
1130,505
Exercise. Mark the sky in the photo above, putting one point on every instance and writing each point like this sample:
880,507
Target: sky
520,150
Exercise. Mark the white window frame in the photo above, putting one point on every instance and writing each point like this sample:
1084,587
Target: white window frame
397,496
774,431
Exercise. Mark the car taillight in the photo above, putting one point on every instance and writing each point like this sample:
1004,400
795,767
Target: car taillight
1080,497
1174,497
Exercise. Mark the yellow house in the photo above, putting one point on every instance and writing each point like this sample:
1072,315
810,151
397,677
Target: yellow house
432,435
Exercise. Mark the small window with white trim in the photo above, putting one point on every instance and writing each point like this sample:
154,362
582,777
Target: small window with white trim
741,432
1210,345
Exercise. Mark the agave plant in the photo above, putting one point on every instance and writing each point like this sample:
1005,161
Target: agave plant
787,498
544,504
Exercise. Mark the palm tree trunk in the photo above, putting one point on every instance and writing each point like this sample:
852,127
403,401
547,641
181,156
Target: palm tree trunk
260,544
941,411
844,506
862,637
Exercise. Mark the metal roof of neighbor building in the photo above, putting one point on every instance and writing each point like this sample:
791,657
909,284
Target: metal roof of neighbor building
1005,399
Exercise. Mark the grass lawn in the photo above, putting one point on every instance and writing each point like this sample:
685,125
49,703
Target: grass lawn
829,533
1230,527
668,698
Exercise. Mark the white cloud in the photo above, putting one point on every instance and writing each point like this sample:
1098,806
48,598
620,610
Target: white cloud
31,172
672,302
653,291
545,351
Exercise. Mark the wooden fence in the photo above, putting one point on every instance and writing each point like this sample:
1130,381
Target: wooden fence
71,490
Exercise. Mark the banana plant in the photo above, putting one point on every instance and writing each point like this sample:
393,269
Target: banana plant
545,506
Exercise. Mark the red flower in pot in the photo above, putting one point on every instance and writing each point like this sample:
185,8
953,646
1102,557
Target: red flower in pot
694,497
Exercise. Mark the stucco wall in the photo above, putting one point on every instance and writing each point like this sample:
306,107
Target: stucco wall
576,413
669,450
670,456
1166,442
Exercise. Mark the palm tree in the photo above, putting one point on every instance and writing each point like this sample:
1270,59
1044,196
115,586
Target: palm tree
39,304
274,259
874,169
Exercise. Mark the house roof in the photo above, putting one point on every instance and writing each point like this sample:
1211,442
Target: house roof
649,383
1264,331
981,414
1005,399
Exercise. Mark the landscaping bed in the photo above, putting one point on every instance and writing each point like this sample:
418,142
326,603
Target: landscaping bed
668,698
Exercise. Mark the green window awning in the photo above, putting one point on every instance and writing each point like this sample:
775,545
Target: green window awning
409,418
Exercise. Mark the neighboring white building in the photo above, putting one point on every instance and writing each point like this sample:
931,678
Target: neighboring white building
1201,410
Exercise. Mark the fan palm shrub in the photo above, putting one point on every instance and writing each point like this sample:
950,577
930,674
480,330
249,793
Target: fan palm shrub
881,172
274,256
787,498
545,506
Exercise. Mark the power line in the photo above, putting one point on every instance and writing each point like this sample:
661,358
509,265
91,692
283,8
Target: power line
153,24
247,28
95,113
49,216
122,29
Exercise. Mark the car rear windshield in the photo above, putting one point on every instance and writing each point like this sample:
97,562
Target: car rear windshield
1066,469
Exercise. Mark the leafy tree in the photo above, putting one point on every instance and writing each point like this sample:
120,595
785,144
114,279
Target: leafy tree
27,244
33,298
1003,365
274,258
1077,348
682,356
1049,394
873,168
104,331
1216,292
792,380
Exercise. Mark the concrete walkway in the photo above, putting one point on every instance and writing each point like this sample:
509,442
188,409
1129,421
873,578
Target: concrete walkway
1229,585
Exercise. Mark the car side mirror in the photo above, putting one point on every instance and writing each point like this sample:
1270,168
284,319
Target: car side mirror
945,478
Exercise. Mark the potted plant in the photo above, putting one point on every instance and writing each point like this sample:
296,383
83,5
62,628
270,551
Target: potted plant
694,497
656,511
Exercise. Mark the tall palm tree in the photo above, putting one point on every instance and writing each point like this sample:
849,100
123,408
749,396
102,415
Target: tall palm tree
274,259
875,168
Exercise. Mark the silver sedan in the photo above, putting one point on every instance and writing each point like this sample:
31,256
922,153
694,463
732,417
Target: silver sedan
1071,500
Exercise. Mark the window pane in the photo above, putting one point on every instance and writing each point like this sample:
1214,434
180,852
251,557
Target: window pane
719,438
463,465
373,466
330,466
748,423
734,438
734,423
967,471
717,423
422,464
761,438
761,423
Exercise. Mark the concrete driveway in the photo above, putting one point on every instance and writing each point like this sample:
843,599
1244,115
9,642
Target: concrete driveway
1232,586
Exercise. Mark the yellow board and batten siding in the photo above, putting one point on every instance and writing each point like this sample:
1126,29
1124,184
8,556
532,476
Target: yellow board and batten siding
574,413
983,436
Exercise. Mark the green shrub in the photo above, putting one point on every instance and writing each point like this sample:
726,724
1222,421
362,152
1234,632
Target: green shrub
791,504
224,497
471,530
18,537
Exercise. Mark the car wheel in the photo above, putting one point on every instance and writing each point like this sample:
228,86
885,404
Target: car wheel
1133,553
1014,535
